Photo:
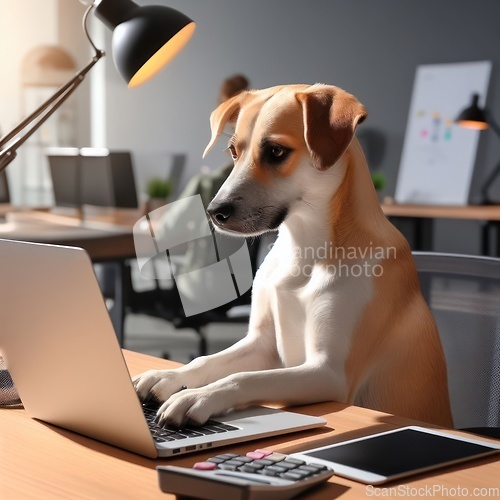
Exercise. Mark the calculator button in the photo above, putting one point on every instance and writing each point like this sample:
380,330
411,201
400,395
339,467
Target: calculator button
295,461
234,461
204,466
302,473
243,459
276,468
255,455
276,457
263,462
267,472
319,466
250,468
309,468
287,464
226,466
292,476
227,456
216,460
266,452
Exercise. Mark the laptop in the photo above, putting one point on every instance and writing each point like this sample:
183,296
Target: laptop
68,368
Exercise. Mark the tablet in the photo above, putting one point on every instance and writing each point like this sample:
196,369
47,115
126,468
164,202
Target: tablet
391,455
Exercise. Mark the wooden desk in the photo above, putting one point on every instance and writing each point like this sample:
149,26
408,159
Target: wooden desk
485,213
40,461
103,241
422,217
106,235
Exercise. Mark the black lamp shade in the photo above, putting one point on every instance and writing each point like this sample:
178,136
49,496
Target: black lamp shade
473,116
145,38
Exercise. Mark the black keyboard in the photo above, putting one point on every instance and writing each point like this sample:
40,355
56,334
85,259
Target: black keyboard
165,434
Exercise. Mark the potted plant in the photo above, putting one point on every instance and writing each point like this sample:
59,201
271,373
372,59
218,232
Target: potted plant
158,191
379,179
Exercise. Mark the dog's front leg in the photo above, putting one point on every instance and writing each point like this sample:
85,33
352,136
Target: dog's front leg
310,382
257,351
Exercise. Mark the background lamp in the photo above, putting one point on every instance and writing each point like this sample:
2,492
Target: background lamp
476,118
145,39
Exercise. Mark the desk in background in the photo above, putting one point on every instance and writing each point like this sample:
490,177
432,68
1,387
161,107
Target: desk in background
42,461
422,220
105,234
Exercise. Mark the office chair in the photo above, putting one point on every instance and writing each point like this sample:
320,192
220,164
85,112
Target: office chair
166,304
8,393
463,293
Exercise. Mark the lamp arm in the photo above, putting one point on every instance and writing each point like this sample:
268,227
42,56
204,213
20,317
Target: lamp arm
44,111
65,90
496,171
492,123
487,182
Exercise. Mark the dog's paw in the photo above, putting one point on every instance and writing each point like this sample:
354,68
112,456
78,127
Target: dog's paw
192,406
157,384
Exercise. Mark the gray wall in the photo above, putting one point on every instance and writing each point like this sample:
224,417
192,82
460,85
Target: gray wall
369,47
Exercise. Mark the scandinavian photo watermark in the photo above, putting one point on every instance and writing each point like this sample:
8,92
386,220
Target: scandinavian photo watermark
176,243
209,269
341,261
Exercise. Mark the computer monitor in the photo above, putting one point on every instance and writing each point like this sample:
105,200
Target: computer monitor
4,188
64,165
108,178
93,176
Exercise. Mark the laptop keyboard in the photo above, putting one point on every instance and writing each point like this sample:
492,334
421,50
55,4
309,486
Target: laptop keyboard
166,434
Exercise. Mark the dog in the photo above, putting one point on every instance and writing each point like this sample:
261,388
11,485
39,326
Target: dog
337,312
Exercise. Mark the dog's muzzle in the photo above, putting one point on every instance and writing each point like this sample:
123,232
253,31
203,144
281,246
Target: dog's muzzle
220,213
229,217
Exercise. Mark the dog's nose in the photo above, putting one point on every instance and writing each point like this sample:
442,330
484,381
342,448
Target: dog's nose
220,213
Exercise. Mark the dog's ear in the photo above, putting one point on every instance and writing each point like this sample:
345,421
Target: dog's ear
331,116
227,112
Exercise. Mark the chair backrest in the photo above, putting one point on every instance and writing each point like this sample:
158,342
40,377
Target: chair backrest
175,174
161,164
463,293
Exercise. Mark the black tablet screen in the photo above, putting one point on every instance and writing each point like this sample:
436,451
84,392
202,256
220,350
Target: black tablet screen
399,452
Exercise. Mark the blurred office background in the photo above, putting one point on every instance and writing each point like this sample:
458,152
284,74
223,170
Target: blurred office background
370,48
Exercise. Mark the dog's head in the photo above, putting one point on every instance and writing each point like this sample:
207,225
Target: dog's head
283,135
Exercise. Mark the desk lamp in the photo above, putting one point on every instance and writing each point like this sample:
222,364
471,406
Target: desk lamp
476,118
145,39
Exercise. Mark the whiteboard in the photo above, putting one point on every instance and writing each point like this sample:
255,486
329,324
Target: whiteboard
438,155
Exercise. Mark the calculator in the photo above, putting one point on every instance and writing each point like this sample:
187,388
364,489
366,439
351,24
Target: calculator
258,475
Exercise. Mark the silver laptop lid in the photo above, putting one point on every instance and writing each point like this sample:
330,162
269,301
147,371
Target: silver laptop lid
60,347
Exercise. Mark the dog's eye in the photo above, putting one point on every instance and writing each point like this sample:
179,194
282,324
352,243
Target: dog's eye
274,154
278,151
232,151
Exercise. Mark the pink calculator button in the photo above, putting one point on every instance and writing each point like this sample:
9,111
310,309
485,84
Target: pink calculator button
204,466
265,452
255,455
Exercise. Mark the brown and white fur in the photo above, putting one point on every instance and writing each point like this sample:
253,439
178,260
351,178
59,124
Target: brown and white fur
314,334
